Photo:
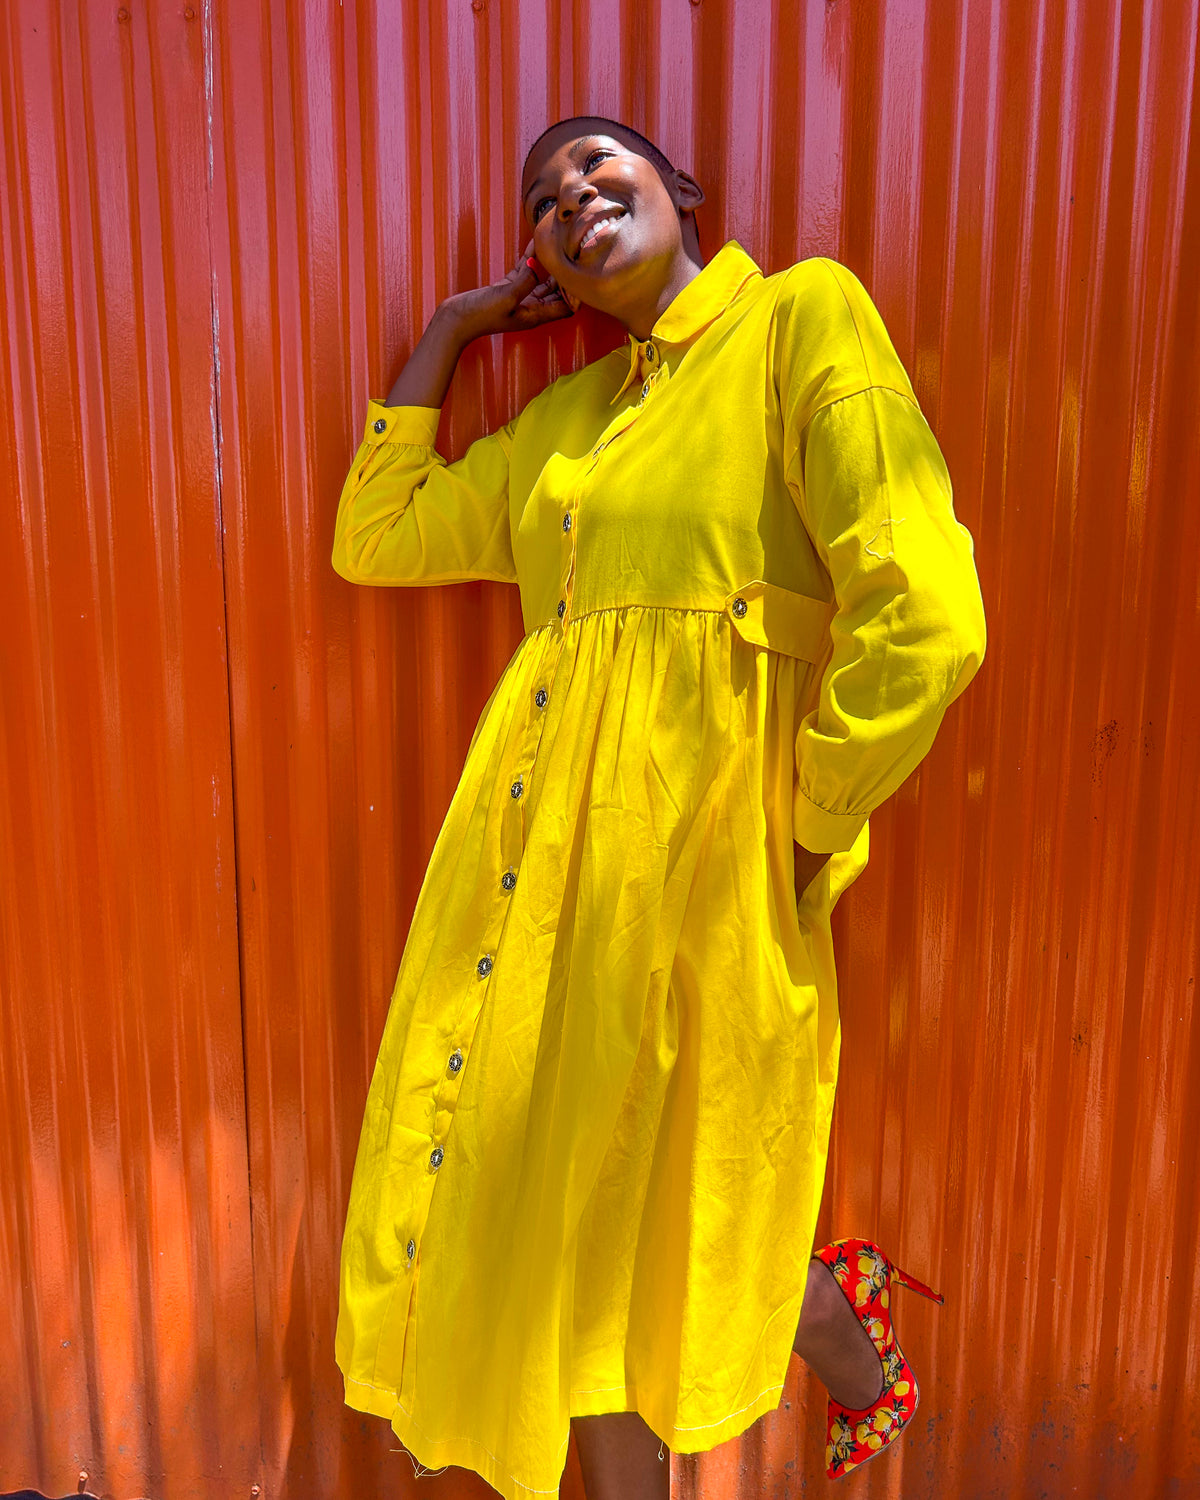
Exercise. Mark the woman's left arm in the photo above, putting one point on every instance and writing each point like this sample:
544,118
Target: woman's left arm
909,630
872,488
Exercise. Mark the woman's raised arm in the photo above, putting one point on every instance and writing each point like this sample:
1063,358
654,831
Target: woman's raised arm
406,515
516,302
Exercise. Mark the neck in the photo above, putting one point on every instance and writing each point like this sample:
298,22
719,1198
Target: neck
645,303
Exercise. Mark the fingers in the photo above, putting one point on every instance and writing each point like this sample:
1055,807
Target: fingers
546,300
547,289
556,295
556,308
544,304
522,271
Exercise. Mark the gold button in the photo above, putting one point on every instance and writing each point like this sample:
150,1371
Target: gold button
739,607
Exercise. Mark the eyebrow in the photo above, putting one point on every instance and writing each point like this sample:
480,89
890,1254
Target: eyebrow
573,154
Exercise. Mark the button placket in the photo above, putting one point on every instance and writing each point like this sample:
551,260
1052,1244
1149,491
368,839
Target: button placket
521,755
650,382
570,523
570,531
648,372
512,848
570,520
513,838
534,728
480,978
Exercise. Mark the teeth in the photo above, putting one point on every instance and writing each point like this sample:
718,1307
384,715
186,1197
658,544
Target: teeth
593,227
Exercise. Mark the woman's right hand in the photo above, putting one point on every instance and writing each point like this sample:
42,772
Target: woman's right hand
516,302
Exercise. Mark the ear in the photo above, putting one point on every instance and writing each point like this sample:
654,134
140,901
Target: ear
686,191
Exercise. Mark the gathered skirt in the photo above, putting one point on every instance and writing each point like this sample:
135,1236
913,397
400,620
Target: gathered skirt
594,1143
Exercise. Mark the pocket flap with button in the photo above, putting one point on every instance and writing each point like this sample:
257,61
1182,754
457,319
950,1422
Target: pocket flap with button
766,614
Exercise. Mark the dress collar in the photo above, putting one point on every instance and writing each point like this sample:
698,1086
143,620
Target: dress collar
695,306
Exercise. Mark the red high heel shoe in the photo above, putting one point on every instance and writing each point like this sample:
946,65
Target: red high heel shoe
866,1276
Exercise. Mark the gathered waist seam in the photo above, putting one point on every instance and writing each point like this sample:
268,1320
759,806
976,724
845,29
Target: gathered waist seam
610,609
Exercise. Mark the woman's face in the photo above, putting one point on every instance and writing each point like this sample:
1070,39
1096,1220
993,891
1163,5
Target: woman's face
574,182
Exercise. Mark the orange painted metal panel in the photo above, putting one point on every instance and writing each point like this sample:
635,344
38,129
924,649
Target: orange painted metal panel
126,1330
265,203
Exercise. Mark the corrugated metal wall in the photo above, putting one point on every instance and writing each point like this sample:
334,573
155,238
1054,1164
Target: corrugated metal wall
127,1316
224,768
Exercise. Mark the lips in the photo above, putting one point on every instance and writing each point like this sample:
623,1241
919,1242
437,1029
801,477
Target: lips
590,223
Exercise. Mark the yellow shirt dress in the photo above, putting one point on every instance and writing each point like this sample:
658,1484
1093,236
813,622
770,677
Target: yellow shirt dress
595,1138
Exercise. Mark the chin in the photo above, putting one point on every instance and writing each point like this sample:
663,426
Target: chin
598,280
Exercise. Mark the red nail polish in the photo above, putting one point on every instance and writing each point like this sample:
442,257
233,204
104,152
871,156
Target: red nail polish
531,262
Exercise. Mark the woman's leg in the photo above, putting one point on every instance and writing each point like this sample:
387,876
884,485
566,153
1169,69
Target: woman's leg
618,1455
834,1344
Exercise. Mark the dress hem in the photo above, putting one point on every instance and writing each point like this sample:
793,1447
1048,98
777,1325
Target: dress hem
436,1453
464,1452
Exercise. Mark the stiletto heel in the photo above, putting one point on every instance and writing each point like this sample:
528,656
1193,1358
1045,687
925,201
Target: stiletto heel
866,1276
914,1285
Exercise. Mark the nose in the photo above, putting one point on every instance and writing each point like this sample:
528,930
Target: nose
575,201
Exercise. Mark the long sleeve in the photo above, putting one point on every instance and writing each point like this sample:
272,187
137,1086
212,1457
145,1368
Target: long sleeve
908,630
407,516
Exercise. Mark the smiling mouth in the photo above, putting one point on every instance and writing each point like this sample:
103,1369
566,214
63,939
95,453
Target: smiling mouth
602,229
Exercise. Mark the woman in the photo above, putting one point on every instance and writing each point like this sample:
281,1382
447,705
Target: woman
594,1144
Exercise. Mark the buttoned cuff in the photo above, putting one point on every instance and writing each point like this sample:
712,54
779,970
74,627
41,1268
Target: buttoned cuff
402,424
820,831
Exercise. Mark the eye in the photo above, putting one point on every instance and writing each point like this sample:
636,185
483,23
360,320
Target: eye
595,151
